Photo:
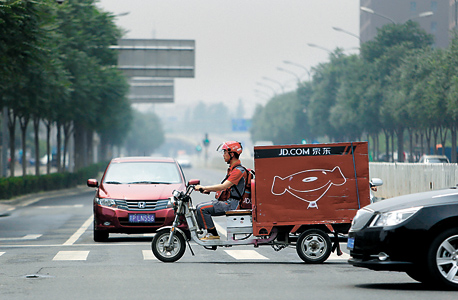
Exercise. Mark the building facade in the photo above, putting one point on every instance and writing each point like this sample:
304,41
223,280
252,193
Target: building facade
376,13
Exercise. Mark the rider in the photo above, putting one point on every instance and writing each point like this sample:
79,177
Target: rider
227,198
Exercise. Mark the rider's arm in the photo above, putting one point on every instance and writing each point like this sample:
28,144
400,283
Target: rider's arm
215,188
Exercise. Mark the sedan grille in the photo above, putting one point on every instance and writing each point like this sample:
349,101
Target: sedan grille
139,205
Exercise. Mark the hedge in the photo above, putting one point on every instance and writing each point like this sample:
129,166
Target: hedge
17,186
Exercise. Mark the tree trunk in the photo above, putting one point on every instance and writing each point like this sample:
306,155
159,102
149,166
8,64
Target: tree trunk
443,137
400,135
435,131
453,134
36,124
48,147
59,147
90,147
80,147
387,145
429,132
67,132
411,156
12,131
24,121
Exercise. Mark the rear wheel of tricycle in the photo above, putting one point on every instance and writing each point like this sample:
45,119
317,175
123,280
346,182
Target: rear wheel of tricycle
168,254
313,246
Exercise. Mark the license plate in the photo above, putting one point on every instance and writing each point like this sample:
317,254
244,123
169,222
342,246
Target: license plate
351,243
142,218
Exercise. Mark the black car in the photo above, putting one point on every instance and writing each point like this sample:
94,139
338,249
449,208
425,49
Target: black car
416,234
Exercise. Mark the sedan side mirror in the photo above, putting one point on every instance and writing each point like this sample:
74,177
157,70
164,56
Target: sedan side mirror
92,183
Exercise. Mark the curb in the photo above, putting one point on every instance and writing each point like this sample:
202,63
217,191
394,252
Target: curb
7,206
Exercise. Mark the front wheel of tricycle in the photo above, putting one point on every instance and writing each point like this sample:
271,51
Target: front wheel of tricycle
168,254
313,246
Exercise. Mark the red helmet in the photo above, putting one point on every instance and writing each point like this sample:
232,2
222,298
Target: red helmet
231,146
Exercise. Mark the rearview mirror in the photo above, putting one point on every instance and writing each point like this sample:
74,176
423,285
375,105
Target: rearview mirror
376,182
194,182
92,183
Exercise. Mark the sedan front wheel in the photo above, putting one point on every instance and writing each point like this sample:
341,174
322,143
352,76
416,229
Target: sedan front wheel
443,258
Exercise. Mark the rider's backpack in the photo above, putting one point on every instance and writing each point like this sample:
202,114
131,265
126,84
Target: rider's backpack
245,199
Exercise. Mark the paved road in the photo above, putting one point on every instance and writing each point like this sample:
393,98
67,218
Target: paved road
47,252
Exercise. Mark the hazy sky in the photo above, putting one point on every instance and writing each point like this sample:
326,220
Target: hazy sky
238,42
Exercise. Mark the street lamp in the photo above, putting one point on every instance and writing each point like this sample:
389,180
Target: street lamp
290,72
263,93
267,86
297,65
368,10
281,85
421,15
347,32
319,47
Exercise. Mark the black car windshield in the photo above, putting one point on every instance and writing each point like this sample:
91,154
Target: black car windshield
142,173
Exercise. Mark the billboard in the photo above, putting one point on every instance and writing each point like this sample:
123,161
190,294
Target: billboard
151,90
156,58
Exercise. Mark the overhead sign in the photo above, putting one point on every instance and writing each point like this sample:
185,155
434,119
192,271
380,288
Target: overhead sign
151,90
156,58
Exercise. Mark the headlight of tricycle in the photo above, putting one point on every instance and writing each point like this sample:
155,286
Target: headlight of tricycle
395,217
106,202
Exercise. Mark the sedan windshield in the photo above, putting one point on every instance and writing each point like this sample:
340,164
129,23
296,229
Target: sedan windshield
142,173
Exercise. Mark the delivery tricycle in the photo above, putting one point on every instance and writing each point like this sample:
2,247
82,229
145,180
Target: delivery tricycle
304,196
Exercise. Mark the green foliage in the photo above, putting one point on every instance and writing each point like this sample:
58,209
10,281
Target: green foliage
397,83
146,134
18,186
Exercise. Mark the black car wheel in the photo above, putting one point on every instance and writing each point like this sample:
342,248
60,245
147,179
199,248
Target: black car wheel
100,235
313,246
443,258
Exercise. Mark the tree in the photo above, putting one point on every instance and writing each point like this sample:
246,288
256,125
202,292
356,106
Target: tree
146,134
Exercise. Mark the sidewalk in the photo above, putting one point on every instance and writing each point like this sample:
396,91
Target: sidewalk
7,206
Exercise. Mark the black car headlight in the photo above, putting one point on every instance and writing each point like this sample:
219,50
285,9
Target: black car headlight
392,218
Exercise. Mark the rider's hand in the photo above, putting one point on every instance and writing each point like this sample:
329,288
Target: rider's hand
201,189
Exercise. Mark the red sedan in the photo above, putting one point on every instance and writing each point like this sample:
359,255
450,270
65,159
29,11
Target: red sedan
133,195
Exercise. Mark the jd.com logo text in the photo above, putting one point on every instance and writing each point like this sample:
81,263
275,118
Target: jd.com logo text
305,151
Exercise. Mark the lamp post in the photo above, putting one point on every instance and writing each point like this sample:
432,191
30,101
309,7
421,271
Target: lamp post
267,86
347,32
421,15
290,72
319,47
368,10
281,85
298,65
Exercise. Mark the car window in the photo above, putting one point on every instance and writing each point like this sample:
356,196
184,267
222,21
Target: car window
143,172
437,160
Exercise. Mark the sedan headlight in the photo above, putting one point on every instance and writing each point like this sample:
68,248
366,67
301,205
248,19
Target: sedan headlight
395,217
106,202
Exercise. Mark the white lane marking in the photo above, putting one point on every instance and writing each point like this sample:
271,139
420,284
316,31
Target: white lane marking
26,237
79,232
1,253
61,206
334,256
245,254
148,234
148,255
71,255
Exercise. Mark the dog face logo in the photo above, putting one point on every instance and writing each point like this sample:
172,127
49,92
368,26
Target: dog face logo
308,185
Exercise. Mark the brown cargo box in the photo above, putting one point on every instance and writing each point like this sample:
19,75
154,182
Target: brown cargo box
309,184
